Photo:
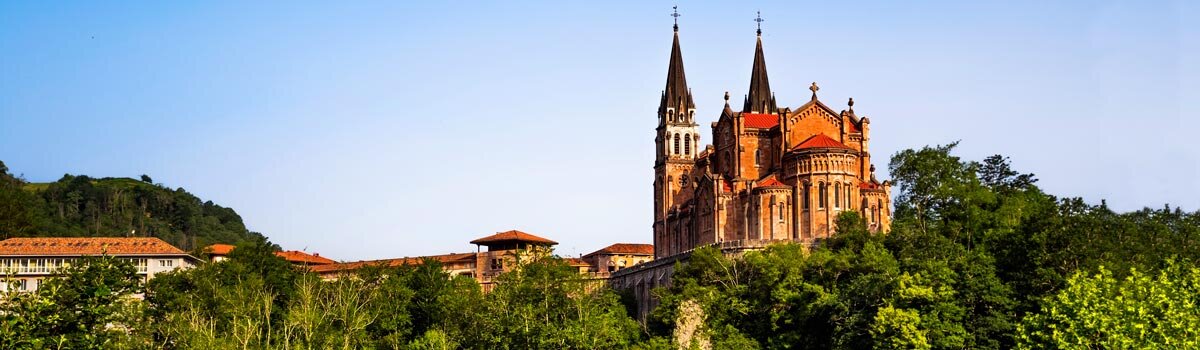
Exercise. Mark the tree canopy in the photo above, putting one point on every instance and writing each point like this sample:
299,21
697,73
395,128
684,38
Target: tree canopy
78,205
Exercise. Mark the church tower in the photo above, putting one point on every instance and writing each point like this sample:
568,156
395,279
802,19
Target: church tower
676,141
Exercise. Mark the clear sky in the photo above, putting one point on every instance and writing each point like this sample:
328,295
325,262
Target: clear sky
401,128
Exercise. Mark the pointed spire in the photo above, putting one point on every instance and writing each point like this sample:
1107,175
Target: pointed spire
676,95
760,99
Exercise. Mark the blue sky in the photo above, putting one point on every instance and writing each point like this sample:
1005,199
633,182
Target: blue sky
386,129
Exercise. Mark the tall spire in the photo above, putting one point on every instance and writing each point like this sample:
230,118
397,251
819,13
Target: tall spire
676,95
760,99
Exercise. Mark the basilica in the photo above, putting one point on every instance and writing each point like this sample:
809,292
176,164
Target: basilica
771,174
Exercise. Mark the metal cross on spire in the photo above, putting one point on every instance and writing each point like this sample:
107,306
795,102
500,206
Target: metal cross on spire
759,20
675,14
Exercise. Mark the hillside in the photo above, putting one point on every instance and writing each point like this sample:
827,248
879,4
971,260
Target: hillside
79,205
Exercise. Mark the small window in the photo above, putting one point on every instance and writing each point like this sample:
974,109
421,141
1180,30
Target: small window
837,195
687,144
822,195
807,198
848,202
166,263
497,264
757,158
676,144
781,212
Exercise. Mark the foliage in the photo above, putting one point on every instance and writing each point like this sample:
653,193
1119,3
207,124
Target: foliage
89,306
974,248
545,304
1140,311
85,206
978,257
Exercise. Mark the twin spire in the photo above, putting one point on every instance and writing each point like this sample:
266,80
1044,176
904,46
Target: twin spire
759,99
676,95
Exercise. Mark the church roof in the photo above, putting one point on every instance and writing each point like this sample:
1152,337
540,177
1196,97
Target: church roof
769,181
759,99
676,94
820,141
761,121
512,236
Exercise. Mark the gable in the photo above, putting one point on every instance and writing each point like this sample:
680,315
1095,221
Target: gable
812,119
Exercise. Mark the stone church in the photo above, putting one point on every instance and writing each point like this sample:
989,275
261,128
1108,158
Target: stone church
771,173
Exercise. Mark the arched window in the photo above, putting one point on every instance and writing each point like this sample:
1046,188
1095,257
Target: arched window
807,188
757,158
848,202
676,144
781,212
687,144
821,195
837,195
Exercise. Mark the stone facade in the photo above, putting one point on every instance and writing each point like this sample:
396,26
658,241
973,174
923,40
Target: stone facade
771,173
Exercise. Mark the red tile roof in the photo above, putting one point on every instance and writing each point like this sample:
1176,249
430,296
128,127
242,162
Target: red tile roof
294,256
761,121
445,259
297,256
576,262
219,249
55,246
870,186
820,141
769,181
512,235
625,248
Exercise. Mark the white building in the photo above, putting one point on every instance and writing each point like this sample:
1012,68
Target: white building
25,262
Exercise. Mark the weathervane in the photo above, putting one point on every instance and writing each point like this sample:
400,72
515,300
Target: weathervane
759,20
675,14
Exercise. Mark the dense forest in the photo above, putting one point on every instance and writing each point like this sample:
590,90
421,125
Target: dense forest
78,205
978,257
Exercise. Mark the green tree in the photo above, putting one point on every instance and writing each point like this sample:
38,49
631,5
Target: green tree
90,305
1101,311
545,304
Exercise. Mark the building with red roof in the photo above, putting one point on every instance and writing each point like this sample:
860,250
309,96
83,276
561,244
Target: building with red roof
772,172
25,262
504,251
619,256
220,251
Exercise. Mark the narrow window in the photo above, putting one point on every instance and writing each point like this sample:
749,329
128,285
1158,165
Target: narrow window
806,195
781,206
757,158
837,195
676,144
848,196
687,144
821,196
